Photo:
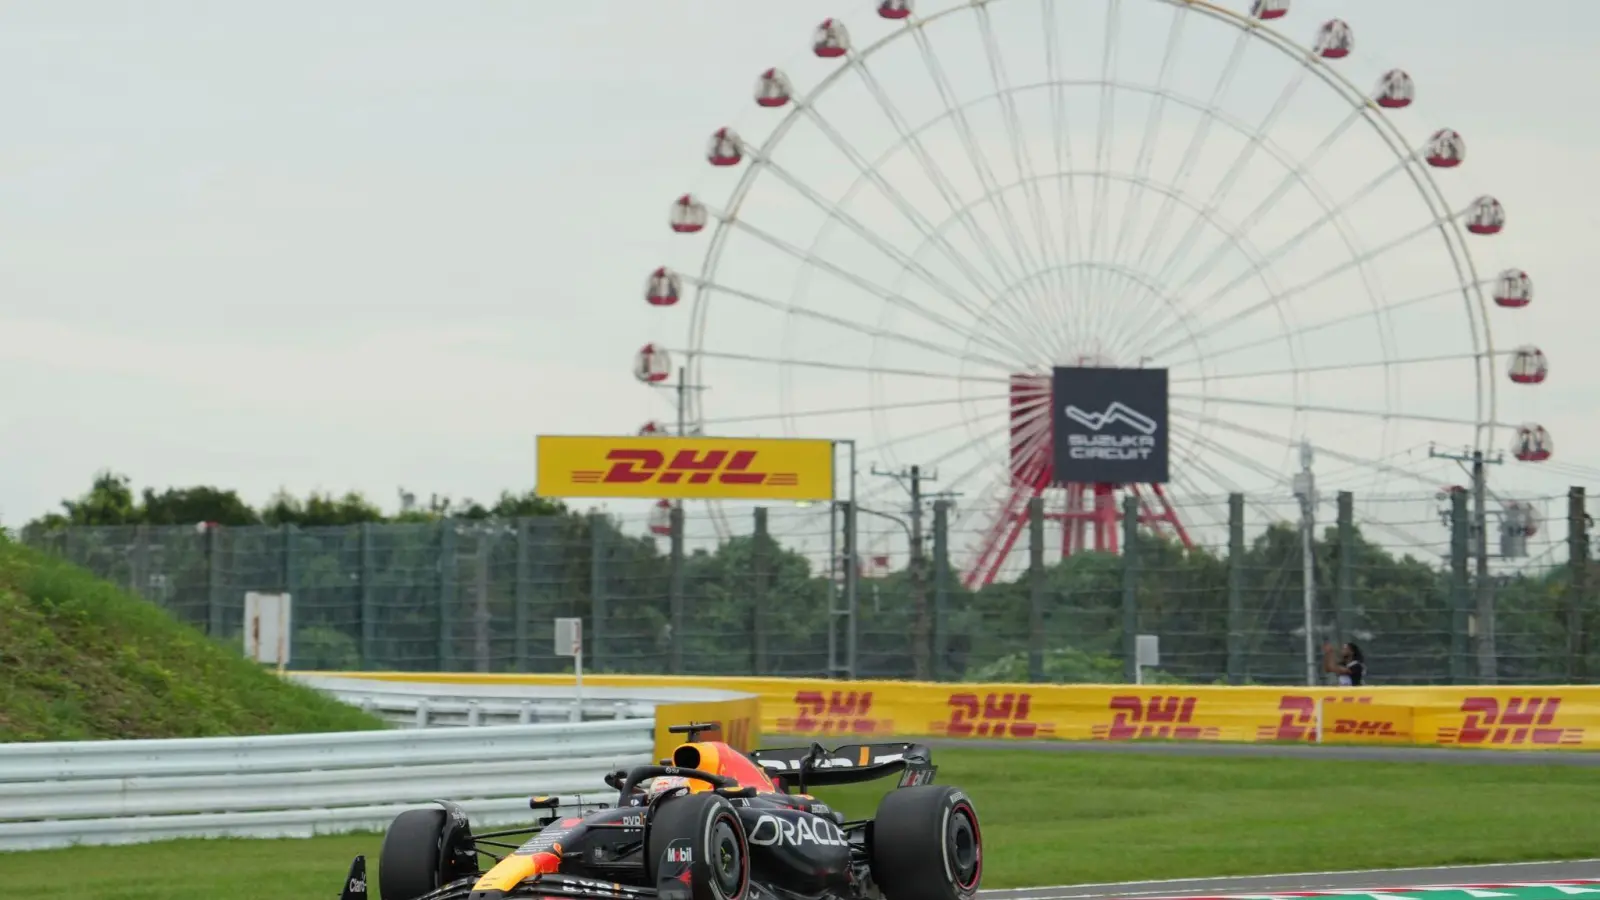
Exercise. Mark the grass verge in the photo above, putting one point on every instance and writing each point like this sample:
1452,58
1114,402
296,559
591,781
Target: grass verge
82,660
1048,818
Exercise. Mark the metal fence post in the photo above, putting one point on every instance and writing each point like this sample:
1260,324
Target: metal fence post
675,594
599,601
483,547
760,576
1345,575
1460,590
1036,576
215,614
447,594
1578,586
941,587
1130,588
519,600
1236,615
368,608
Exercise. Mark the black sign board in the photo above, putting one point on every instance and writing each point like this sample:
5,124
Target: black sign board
1109,425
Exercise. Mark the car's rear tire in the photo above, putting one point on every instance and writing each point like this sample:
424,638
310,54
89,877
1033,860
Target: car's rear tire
408,864
916,826
718,848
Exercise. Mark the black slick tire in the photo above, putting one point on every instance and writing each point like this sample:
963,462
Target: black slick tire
720,850
408,863
926,844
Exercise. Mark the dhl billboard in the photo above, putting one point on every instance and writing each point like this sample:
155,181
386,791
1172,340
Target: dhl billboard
685,468
1564,717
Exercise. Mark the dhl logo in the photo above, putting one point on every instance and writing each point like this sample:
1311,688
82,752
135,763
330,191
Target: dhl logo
994,715
640,466
841,712
1365,727
1299,719
1156,717
1524,720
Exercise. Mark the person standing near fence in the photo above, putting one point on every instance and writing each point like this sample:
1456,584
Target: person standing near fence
1351,666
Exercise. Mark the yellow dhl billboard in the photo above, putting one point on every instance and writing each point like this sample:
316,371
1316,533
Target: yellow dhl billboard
685,468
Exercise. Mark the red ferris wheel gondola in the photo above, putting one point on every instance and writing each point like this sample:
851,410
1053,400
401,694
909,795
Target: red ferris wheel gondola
1269,9
1528,365
773,89
1395,90
1446,149
894,9
664,287
1335,40
723,149
1532,443
688,215
661,518
652,364
1513,289
831,40
1486,216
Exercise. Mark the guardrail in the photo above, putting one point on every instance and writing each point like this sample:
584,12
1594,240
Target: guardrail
425,703
117,792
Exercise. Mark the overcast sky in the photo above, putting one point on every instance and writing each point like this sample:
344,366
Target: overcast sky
366,245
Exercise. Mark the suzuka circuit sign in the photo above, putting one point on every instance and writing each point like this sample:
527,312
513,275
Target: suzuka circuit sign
1109,425
685,468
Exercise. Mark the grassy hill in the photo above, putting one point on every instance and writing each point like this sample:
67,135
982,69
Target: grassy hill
82,660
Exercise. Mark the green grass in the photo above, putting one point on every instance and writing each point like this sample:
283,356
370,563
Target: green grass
82,660
1048,818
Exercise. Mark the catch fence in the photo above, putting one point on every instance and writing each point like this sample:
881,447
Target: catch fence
760,597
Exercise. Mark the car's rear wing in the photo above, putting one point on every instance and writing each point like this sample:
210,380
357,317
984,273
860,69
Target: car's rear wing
813,766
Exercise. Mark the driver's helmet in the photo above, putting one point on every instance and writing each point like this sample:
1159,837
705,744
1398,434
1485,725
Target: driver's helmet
661,784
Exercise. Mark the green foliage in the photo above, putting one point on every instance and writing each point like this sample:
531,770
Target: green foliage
454,585
82,660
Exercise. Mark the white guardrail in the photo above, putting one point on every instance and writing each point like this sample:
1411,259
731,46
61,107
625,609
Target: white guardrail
431,705
528,740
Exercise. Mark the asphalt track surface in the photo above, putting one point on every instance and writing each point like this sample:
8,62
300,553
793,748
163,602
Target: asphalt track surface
1292,751
1366,879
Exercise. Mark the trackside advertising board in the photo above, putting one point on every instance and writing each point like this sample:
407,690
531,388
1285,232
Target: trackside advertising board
685,468
738,723
1109,425
1546,717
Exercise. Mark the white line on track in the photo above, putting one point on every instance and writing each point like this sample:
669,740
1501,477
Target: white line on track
1097,889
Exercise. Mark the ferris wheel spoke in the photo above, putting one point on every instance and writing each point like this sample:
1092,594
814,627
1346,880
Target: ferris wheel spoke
884,294
1023,160
1331,410
838,367
1274,300
1341,367
1280,440
1452,291
912,139
853,410
1191,153
1061,144
1230,179
1297,173
975,155
1251,498
907,263
1152,127
861,327
1107,110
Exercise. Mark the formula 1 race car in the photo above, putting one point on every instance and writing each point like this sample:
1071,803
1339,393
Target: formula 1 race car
710,823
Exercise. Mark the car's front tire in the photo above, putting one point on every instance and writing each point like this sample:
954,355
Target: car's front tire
408,864
708,828
926,844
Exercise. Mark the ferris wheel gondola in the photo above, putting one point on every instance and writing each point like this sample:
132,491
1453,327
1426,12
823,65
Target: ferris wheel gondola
901,259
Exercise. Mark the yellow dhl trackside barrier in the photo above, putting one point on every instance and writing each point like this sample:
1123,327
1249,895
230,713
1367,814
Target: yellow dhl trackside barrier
1507,718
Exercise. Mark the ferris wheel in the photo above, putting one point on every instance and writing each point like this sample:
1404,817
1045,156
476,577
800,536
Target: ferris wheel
942,204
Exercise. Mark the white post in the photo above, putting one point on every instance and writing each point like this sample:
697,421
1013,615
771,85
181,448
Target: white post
1305,489
569,642
1320,701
